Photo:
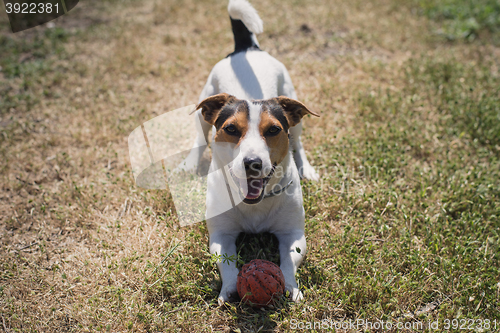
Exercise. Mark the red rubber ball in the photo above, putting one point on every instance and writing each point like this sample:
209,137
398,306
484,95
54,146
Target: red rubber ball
260,282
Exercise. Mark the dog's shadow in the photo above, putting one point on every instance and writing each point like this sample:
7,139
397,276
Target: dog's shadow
257,246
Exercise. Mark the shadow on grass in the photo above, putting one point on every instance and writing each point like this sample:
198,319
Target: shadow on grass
258,319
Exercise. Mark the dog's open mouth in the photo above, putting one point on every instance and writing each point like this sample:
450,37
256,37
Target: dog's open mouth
252,189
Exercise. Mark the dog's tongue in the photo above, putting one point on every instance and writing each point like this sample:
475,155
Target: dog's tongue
254,187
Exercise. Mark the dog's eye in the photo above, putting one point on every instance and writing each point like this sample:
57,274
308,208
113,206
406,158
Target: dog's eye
231,130
273,130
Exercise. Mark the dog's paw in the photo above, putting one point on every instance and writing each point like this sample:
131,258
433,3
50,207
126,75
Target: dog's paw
228,295
295,293
308,172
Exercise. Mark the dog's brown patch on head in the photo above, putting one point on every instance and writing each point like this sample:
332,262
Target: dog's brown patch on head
228,114
276,136
233,127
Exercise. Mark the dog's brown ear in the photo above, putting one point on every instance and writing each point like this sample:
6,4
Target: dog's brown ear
211,106
294,110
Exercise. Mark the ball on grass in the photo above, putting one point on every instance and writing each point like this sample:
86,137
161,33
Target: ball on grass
260,282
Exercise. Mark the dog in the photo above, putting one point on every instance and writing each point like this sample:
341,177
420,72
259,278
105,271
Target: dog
250,102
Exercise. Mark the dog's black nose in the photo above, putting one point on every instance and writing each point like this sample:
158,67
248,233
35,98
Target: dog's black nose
252,164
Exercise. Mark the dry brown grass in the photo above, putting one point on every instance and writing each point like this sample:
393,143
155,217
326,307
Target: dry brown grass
96,239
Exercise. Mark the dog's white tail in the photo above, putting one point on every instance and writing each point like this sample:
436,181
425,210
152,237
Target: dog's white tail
243,10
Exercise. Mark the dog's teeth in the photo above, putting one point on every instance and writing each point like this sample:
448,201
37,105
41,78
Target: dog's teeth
251,188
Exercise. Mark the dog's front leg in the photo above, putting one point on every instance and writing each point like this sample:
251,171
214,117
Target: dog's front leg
292,251
223,245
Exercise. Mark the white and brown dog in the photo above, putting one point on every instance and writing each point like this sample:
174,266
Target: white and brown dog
249,100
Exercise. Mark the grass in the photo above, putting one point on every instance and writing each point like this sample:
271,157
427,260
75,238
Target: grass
28,62
403,226
465,19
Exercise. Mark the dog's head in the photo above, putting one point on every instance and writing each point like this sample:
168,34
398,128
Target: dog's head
251,137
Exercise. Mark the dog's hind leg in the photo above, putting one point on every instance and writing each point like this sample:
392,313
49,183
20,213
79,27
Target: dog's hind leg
299,155
305,169
193,159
